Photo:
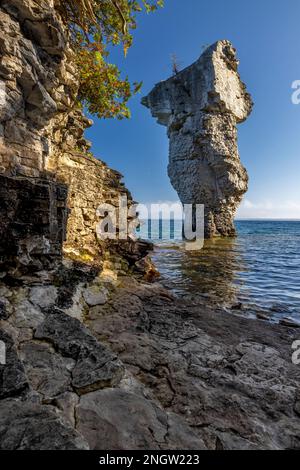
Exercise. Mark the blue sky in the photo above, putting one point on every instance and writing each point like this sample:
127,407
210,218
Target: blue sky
266,34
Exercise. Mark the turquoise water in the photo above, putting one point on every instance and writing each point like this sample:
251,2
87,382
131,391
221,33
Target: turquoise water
258,272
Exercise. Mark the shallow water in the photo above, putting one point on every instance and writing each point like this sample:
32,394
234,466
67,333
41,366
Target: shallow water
259,269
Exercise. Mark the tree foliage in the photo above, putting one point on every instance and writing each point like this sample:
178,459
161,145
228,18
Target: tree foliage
94,26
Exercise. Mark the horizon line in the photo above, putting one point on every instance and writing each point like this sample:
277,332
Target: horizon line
274,219
241,219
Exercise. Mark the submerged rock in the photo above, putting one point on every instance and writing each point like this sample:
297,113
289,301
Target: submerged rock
289,322
201,107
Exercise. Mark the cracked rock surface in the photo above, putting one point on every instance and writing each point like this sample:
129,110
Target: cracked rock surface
230,378
144,370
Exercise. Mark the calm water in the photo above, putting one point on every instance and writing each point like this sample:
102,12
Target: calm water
259,269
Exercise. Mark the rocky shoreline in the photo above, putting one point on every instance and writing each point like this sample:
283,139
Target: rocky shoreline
100,362
91,355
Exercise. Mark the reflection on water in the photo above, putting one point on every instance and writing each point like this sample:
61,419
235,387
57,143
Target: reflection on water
259,269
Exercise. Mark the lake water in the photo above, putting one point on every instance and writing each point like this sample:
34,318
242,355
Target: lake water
258,272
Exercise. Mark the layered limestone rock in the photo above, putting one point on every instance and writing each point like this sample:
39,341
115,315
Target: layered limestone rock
140,369
201,107
37,82
31,237
42,130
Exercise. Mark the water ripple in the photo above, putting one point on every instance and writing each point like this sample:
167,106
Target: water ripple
260,268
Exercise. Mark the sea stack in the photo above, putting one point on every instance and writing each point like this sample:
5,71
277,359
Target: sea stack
201,107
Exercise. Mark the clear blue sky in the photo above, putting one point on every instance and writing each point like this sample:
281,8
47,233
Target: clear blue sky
266,34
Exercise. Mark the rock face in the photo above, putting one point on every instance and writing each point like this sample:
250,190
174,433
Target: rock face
201,107
33,214
42,134
38,85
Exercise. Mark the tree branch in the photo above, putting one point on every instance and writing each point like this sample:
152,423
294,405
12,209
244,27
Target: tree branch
117,6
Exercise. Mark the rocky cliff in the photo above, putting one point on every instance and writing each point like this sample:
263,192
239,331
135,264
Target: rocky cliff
201,107
42,139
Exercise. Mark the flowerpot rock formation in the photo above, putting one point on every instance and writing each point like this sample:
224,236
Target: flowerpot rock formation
201,107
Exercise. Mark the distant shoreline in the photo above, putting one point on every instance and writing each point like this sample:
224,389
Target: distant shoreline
237,220
266,220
